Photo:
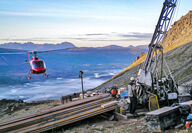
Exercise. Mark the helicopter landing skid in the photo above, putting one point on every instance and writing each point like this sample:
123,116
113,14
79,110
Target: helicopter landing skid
45,75
29,75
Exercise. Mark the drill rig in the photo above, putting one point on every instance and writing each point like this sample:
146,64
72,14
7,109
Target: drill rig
150,78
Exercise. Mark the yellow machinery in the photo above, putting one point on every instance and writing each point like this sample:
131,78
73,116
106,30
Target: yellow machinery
153,102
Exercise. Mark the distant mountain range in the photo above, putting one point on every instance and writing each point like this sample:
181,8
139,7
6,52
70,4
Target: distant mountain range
112,46
36,47
44,47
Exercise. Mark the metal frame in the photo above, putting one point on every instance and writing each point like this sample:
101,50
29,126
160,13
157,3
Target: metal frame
159,33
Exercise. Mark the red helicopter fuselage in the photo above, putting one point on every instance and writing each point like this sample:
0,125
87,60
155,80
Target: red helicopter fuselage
37,66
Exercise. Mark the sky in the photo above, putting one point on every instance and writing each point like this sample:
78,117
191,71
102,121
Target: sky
85,23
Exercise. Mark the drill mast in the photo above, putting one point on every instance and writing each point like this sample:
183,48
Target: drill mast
155,46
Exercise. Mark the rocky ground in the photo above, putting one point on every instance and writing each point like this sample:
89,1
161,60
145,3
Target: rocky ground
98,124
16,108
102,125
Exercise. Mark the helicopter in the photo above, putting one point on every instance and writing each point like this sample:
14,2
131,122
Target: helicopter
37,66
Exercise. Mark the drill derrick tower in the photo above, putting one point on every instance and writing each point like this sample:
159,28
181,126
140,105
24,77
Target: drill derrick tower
150,78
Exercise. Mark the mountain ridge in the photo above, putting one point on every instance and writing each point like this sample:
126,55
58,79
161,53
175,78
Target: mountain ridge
59,46
36,47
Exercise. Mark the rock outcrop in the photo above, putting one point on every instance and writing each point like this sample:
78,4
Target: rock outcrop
180,32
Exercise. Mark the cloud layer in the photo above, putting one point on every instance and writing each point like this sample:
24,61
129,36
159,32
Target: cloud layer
93,37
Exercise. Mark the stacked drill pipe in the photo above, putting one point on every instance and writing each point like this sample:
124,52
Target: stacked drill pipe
60,115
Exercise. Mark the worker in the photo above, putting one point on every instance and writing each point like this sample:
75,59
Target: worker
114,91
132,96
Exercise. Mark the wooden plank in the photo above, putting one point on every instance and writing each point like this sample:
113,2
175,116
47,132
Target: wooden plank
162,111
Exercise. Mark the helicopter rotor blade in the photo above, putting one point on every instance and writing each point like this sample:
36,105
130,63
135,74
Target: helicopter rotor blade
33,52
11,53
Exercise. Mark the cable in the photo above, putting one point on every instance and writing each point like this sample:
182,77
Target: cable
179,2
175,13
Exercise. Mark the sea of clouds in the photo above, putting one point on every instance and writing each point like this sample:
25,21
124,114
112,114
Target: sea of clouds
54,88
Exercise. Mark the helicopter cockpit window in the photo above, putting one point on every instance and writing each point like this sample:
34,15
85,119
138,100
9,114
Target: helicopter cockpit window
38,64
